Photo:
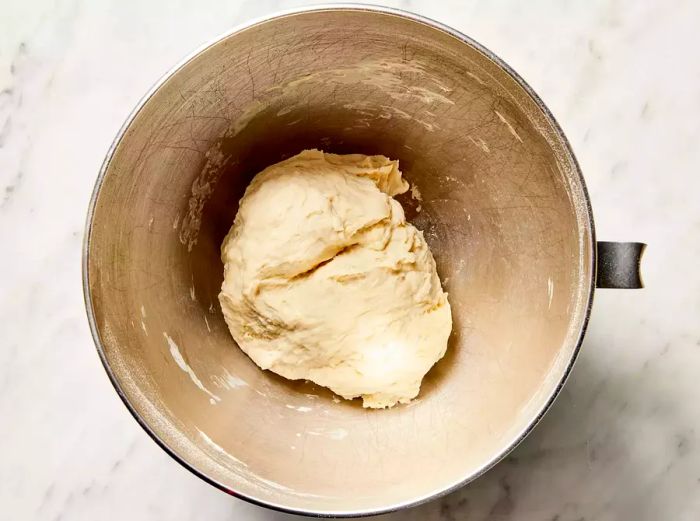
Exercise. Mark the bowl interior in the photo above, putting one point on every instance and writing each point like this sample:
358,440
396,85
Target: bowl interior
496,192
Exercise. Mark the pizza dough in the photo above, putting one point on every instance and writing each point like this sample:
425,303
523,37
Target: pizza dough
324,279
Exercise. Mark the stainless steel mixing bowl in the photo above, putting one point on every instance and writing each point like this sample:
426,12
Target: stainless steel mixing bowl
498,195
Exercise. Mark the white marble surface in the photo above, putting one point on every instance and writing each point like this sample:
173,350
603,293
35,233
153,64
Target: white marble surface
623,440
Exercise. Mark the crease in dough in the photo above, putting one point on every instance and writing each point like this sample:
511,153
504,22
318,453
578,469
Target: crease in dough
324,279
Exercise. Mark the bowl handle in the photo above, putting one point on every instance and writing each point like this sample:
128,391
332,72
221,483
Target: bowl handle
618,265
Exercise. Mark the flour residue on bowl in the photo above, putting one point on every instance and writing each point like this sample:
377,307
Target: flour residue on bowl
200,192
182,364
550,292
480,143
390,77
367,112
143,320
415,193
508,125
333,434
394,79
228,381
300,408
218,448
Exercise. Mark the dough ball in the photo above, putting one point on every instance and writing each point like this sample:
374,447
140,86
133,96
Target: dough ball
324,280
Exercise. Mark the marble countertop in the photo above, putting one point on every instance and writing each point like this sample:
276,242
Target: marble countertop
623,440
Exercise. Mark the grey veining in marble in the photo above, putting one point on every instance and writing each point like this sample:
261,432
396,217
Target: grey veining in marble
621,443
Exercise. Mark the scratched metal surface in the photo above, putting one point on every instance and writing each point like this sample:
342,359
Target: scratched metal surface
500,204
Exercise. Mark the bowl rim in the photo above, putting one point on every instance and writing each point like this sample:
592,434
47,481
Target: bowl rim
592,260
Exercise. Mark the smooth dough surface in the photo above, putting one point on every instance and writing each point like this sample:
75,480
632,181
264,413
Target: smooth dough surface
324,279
